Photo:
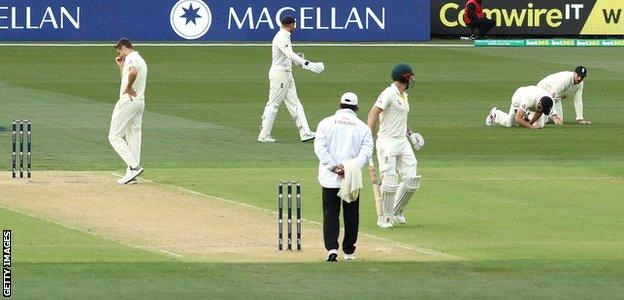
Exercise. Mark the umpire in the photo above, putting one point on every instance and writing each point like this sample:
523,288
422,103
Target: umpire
343,145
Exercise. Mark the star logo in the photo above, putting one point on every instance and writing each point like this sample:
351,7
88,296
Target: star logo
190,14
190,19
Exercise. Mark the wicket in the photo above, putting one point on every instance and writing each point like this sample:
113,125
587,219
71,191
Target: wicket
280,211
21,148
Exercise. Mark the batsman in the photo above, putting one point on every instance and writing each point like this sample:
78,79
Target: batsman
394,153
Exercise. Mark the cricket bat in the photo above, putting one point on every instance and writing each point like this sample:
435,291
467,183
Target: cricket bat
375,184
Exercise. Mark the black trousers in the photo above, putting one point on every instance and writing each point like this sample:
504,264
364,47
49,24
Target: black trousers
482,26
331,222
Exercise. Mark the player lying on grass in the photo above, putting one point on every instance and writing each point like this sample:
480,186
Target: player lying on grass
530,106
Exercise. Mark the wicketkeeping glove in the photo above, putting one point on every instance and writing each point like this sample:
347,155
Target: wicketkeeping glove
417,140
316,67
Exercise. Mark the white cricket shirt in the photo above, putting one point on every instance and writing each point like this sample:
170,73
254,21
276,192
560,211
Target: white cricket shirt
283,54
561,85
527,98
134,60
339,138
393,119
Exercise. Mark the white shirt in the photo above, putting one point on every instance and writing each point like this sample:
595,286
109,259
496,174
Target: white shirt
283,54
339,138
393,118
134,60
527,98
561,85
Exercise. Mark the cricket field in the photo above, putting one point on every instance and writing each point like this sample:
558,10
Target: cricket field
502,213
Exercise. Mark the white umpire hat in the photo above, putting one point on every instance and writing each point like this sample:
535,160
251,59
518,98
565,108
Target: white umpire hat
349,98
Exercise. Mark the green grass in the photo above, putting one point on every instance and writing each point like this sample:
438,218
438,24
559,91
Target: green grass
536,213
509,279
39,241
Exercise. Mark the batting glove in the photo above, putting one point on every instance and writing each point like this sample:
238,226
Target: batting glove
417,140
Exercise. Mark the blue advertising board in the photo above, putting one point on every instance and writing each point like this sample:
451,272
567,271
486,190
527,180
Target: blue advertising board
212,20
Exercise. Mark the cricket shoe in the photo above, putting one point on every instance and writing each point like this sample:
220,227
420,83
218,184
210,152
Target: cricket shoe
332,255
266,139
130,175
385,222
133,181
489,120
400,218
469,38
308,136
350,256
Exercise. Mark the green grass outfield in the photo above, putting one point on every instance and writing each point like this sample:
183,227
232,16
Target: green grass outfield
535,213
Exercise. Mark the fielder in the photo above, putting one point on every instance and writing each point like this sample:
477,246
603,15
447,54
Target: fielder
282,84
564,84
394,153
125,127
530,108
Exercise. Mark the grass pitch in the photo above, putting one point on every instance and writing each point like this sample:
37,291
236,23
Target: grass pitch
534,213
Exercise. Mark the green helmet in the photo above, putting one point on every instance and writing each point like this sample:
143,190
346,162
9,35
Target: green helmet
402,73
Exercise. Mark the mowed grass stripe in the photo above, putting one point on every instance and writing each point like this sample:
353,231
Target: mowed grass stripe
35,240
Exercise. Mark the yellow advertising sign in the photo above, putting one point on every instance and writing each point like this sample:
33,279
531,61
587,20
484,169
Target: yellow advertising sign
606,18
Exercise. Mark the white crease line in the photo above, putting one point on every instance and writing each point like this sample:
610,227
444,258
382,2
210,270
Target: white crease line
395,243
413,248
235,45
386,240
163,251
519,178
455,179
144,248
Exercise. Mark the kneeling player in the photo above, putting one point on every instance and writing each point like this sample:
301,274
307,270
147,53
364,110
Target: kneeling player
530,106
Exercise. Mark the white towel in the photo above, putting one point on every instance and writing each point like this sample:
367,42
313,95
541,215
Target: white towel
351,183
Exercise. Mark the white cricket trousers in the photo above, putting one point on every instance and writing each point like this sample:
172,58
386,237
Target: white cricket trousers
282,89
125,130
395,155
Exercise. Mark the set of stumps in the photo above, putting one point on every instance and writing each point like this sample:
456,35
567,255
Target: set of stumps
280,211
14,153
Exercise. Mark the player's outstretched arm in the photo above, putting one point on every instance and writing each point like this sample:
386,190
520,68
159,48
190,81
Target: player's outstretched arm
522,122
578,107
315,67
536,117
